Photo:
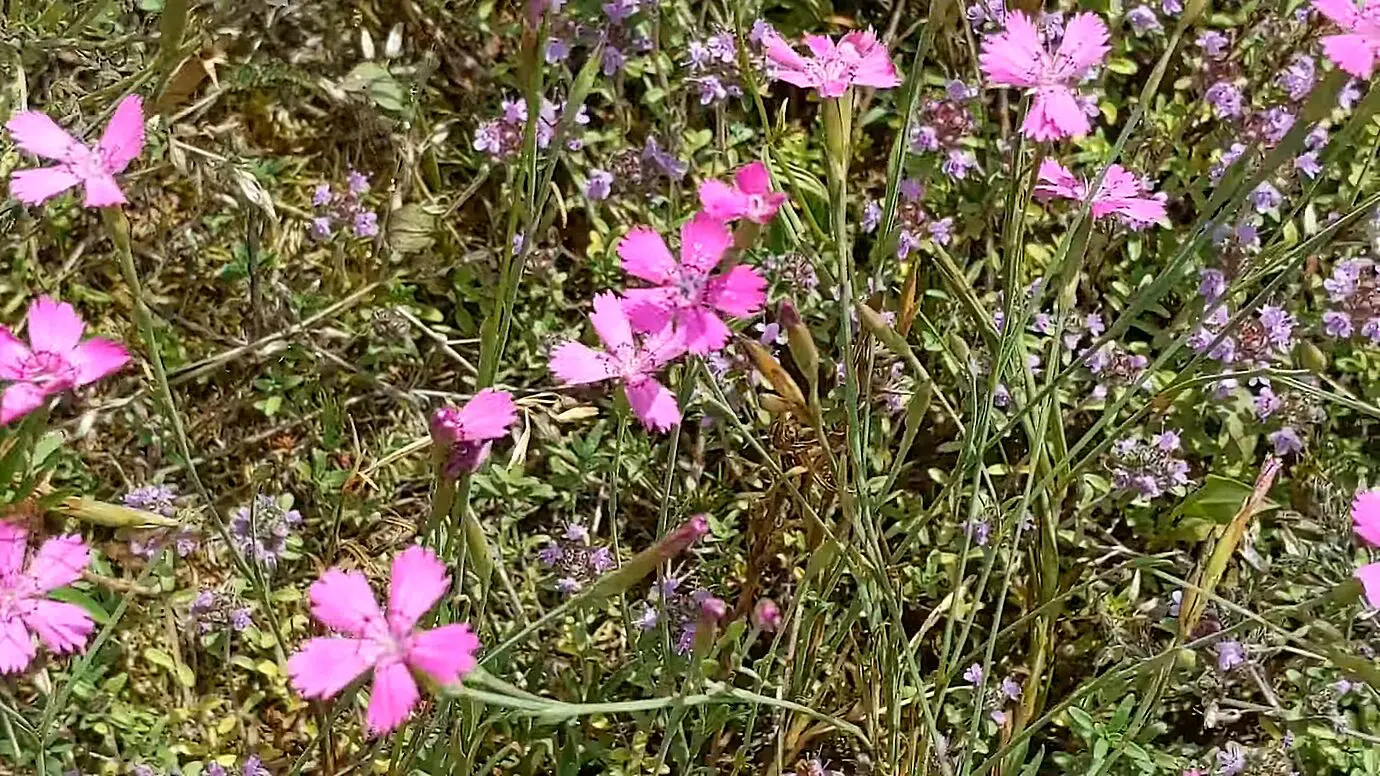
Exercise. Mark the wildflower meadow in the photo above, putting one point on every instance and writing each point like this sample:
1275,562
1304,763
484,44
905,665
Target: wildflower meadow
639,387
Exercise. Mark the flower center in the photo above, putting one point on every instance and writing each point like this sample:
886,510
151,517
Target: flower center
85,162
689,288
47,370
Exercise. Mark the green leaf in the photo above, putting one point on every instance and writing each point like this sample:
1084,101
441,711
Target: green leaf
1084,721
160,658
1218,500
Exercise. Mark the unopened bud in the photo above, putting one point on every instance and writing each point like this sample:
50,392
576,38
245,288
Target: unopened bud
766,615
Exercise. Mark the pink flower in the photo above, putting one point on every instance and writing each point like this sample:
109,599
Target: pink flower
1121,194
1365,516
390,645
77,163
749,197
857,59
467,432
686,296
55,359
25,612
1017,57
1355,50
1369,575
631,362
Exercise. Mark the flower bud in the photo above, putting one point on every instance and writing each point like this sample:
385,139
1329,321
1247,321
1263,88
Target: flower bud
766,615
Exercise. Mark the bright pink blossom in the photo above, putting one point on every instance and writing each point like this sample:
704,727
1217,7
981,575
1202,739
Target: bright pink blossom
1369,575
468,432
77,163
632,362
686,295
391,645
857,59
1121,194
1017,57
749,197
1365,516
55,359
1355,50
25,612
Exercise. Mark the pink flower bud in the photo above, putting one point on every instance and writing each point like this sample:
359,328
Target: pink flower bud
713,608
767,615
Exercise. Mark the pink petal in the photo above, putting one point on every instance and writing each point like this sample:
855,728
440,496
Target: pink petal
702,331
103,191
14,543
574,363
785,56
662,347
1343,12
54,326
1055,114
96,358
703,241
653,404
1369,575
739,292
1352,53
1057,181
59,562
1015,56
802,78
393,696
1084,46
446,654
40,135
325,666
33,187
124,135
1365,516
344,602
611,322
877,70
16,646
819,45
18,400
488,415
649,309
646,256
419,581
753,179
13,353
63,627
722,201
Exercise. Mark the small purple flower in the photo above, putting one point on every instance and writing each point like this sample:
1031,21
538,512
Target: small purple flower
1142,20
613,60
973,674
957,163
240,619
322,195
599,185
912,189
1011,688
1266,403
1279,325
647,619
1266,197
941,231
1337,324
1231,761
1166,441
999,716
1308,164
557,50
1286,441
1342,687
357,182
924,138
1278,121
1213,43
1171,7
1230,654
1225,99
872,216
568,585
978,532
321,227
1349,95
366,224
957,91
1298,77
1213,285
254,767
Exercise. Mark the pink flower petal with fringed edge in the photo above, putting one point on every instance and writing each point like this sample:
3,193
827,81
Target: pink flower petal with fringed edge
344,602
62,627
610,322
59,562
16,646
103,191
575,363
391,698
739,292
1054,114
1369,575
123,138
33,187
446,654
703,241
701,330
1015,56
54,326
1055,180
1353,53
14,544
1085,45
488,415
645,255
649,309
722,201
40,135
653,404
1365,516
95,358
18,400
419,581
325,666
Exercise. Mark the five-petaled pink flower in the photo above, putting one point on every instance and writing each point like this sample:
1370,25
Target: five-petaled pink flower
468,432
749,197
55,359
1017,57
857,59
25,611
390,644
686,295
1354,51
1121,194
633,363
1365,516
77,163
